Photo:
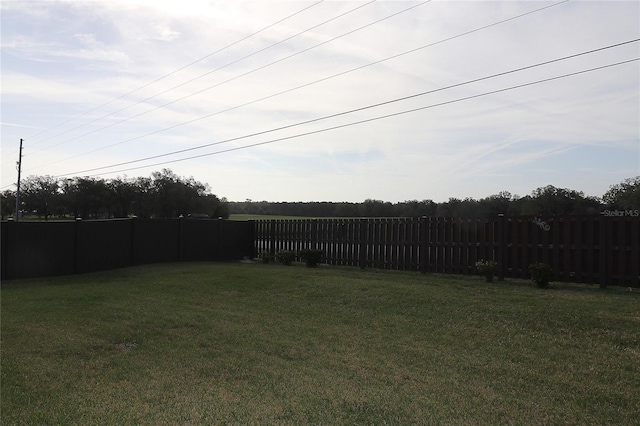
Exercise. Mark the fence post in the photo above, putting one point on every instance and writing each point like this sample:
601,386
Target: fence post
180,238
272,237
254,240
604,252
501,255
422,235
221,247
75,245
362,243
133,239
314,234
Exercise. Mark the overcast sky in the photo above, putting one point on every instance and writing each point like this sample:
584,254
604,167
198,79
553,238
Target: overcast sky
92,84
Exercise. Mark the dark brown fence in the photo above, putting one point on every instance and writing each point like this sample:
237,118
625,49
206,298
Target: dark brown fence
35,249
590,249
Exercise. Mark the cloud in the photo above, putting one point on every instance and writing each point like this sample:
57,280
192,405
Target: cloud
165,33
19,125
96,52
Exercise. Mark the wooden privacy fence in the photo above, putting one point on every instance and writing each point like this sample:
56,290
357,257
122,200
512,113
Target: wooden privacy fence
589,249
36,249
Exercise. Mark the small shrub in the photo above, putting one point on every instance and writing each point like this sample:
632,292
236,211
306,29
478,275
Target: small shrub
285,257
541,274
266,257
311,257
487,268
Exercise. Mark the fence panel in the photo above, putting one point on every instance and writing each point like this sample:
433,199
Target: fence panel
201,240
103,245
4,228
590,249
623,251
235,240
156,241
36,249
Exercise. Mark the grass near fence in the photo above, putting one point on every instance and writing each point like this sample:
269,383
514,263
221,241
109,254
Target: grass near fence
262,344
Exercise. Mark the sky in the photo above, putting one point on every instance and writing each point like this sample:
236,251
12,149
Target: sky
261,95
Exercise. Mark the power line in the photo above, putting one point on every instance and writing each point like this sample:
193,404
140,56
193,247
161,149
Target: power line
231,79
187,82
352,123
174,72
304,85
378,104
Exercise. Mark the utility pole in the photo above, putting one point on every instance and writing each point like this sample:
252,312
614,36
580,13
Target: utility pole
18,189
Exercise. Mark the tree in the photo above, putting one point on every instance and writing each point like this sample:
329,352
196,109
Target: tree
376,208
173,195
212,206
550,200
625,195
40,195
456,207
87,197
496,204
7,203
123,195
415,208
143,200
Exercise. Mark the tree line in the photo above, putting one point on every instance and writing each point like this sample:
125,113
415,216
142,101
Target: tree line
162,195
547,200
166,195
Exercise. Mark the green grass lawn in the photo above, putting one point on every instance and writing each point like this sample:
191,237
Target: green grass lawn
236,343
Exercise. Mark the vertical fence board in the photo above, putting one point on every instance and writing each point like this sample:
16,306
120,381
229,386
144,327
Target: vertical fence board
633,271
585,249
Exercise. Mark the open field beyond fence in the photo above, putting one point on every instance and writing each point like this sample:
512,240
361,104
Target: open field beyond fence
245,343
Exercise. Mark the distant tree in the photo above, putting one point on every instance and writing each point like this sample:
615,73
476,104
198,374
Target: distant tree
456,207
7,203
550,200
212,206
164,194
171,195
345,210
88,197
624,195
493,205
446,209
428,208
40,195
415,208
143,201
123,195
515,205
376,208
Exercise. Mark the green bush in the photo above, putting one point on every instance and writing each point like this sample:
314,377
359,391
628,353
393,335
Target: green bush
487,268
266,257
541,274
311,257
285,257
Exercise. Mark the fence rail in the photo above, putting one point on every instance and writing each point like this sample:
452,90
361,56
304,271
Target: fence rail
590,249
